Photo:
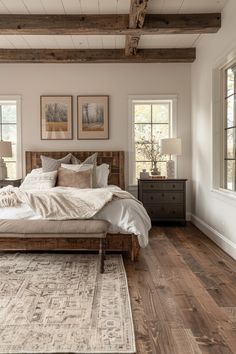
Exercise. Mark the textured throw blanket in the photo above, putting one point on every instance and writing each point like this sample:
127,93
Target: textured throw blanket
62,203
8,197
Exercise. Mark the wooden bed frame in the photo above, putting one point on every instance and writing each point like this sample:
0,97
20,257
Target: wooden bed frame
115,242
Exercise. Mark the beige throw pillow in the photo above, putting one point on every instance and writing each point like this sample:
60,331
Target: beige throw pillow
80,179
91,160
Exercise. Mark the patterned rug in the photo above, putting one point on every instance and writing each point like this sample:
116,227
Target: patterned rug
60,303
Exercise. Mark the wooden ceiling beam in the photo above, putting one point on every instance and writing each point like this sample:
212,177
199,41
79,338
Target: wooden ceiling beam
138,9
108,24
175,55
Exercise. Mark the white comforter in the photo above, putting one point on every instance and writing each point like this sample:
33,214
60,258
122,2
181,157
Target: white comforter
124,215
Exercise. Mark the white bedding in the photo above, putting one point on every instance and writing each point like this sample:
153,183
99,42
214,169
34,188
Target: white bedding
124,215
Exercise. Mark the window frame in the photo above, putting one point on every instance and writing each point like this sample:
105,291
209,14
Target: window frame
223,184
131,143
17,99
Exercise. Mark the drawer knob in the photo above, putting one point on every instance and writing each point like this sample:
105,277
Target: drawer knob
173,212
151,198
151,186
173,198
173,185
163,195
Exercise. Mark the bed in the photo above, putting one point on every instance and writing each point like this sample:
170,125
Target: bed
121,242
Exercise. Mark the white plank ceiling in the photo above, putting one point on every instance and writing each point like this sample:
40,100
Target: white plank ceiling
101,7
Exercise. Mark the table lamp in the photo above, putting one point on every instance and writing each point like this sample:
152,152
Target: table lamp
170,146
5,151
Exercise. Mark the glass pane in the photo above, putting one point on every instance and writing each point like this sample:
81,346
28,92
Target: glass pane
230,89
230,143
160,113
9,133
11,170
160,131
147,152
230,106
143,132
13,158
230,174
8,113
142,113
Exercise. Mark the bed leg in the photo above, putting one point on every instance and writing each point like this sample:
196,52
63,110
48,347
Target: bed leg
102,252
135,248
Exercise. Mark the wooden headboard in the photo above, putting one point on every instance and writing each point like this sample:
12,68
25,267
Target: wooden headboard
115,159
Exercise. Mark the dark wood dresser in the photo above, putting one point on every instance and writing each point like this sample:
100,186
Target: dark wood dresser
12,182
164,199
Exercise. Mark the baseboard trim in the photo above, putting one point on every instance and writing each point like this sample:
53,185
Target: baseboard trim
225,244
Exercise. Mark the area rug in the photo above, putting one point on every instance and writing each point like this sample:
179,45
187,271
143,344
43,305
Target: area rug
60,303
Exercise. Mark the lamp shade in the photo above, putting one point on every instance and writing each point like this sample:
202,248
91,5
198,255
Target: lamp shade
5,149
171,146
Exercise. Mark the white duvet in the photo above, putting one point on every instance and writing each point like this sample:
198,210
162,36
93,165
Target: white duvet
124,216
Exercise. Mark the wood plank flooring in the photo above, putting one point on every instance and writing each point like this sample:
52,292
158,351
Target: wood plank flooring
183,294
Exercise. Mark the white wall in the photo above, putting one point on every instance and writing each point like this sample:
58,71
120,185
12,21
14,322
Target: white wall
213,213
117,80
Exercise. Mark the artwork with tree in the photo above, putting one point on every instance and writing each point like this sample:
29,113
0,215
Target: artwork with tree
93,116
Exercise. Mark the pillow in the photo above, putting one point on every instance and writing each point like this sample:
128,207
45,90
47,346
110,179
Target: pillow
74,160
36,171
41,181
102,173
79,179
90,160
49,164
77,168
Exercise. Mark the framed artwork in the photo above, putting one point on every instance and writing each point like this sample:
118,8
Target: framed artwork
93,117
56,117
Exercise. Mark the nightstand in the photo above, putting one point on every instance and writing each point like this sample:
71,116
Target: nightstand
164,199
12,182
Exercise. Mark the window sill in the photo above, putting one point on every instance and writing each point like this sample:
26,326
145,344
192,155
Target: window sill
225,195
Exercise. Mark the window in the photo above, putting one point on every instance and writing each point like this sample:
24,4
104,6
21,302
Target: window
151,121
229,165
10,131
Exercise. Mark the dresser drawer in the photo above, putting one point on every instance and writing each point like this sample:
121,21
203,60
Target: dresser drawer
166,211
166,185
163,197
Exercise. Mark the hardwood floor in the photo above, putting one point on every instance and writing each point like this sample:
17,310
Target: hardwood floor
183,294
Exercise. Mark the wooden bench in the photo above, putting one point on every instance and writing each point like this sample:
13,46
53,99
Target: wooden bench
50,229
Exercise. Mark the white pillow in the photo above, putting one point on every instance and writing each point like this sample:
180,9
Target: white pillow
77,168
102,173
39,181
37,171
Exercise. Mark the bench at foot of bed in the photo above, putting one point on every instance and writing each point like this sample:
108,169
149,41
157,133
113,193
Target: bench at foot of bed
68,235
22,235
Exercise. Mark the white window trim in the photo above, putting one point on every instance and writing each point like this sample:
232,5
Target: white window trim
17,99
131,144
217,125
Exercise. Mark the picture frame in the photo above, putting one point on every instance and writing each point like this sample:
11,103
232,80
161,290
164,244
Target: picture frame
93,117
56,117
